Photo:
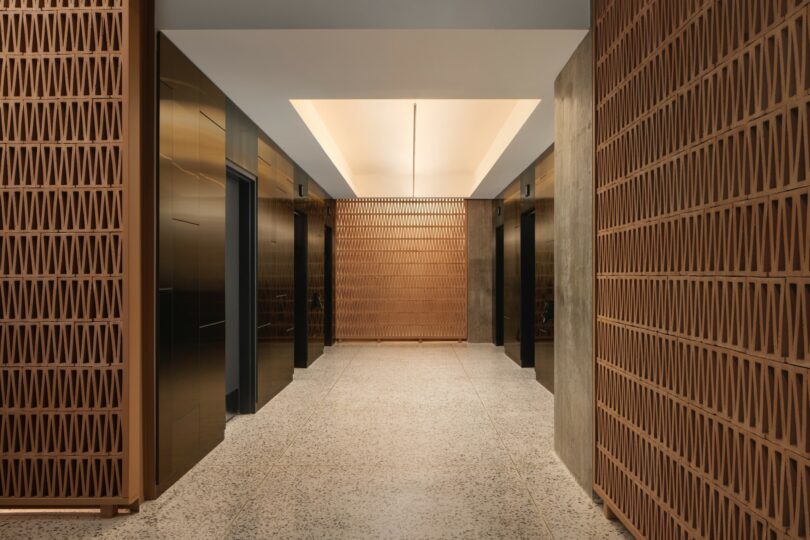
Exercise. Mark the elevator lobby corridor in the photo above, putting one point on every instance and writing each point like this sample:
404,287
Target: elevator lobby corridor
374,441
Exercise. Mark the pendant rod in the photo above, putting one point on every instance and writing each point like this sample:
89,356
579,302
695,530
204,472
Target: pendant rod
413,156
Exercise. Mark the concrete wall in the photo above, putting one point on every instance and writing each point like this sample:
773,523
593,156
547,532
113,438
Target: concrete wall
574,269
480,249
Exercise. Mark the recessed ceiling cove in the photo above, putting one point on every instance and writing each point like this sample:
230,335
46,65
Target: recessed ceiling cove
414,147
468,84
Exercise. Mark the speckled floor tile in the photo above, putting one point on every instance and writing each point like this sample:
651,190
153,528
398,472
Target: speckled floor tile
373,441
569,512
51,527
383,502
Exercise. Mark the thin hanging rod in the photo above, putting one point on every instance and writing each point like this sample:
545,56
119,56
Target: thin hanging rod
413,156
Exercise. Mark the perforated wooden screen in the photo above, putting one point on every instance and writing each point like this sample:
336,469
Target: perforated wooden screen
703,262
401,269
63,191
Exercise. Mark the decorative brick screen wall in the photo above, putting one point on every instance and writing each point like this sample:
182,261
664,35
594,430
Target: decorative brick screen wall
703,266
401,269
64,191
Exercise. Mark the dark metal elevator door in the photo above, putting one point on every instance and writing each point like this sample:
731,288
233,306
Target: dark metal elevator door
240,291
190,368
274,275
499,285
527,289
328,290
301,305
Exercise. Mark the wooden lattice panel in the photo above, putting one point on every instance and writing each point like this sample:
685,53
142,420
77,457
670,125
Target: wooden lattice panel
63,74
703,266
401,269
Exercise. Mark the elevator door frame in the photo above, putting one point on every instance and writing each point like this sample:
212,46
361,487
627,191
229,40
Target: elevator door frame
246,285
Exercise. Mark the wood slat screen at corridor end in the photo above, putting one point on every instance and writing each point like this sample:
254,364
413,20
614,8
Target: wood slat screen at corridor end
401,269
702,387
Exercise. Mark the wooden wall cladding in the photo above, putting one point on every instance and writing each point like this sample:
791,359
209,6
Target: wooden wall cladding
401,269
703,266
65,382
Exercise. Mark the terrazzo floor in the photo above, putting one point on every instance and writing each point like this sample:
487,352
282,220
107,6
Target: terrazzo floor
373,441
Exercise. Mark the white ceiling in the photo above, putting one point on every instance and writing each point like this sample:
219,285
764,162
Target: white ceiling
456,142
373,14
263,69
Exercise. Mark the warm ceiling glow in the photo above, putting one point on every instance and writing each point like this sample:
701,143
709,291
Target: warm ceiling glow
371,142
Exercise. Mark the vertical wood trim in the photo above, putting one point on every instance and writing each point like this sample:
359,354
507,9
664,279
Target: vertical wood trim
130,147
140,208
594,247
147,114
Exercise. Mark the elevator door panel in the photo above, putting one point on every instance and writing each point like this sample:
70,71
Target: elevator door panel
301,308
274,276
178,407
544,290
511,277
190,368
499,285
328,287
315,275
527,289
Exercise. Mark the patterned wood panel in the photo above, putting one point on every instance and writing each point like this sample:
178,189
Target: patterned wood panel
703,266
63,193
401,269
